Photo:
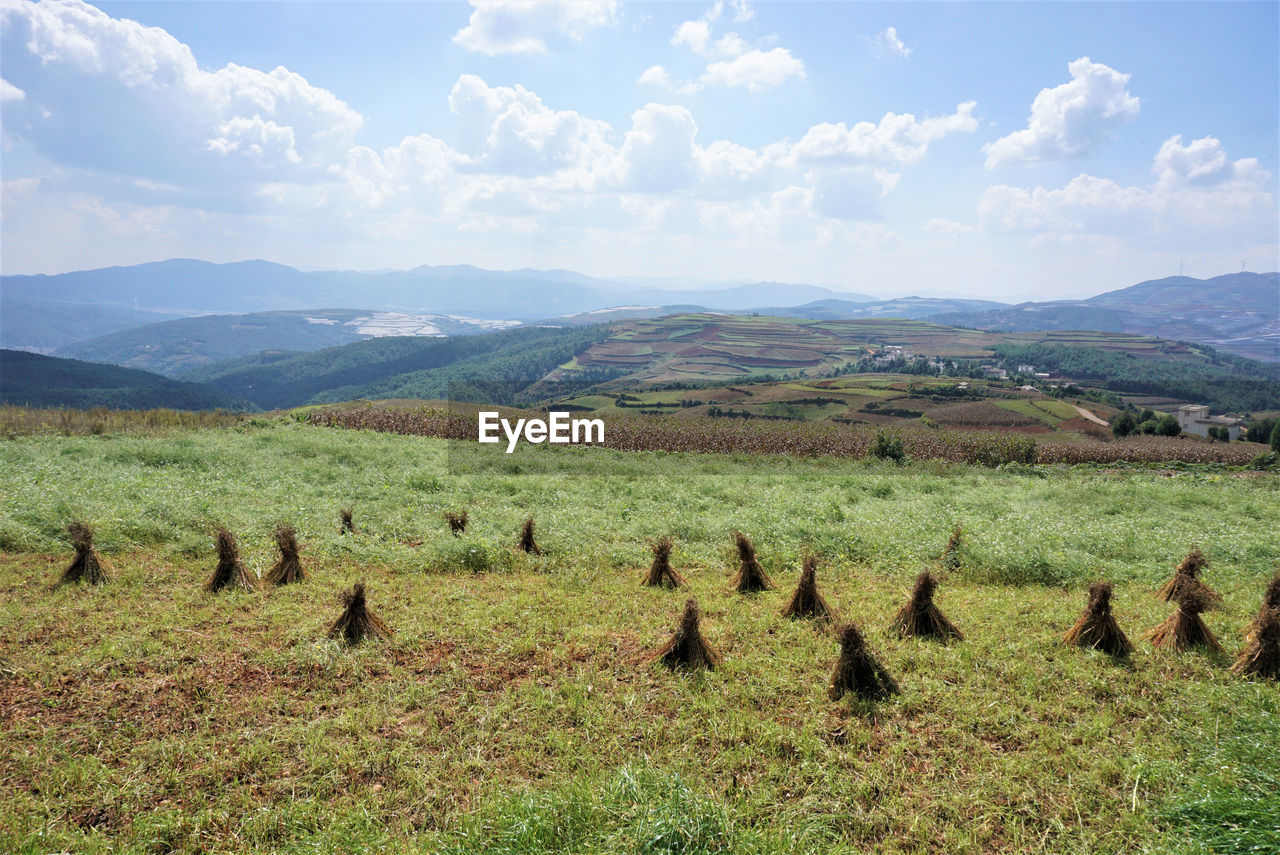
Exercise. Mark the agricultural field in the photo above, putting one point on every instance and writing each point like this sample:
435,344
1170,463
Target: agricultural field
986,446
879,399
699,347
516,708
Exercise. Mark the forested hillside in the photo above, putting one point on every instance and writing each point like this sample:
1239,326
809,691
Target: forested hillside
1225,382
29,379
493,367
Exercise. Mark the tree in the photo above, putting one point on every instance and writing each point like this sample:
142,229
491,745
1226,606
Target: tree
1123,423
1168,426
1275,437
1260,429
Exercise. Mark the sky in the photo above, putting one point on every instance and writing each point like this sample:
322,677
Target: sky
1014,151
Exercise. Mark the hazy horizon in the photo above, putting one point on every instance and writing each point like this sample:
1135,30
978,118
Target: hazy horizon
674,284
1010,152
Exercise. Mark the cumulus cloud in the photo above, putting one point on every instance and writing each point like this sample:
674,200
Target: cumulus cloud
1203,163
888,41
153,113
1198,194
524,26
757,70
732,60
897,139
509,130
658,152
1070,120
226,159
655,75
852,169
695,35
416,172
731,44
730,171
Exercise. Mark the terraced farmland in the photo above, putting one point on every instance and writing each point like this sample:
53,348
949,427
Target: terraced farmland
882,399
709,347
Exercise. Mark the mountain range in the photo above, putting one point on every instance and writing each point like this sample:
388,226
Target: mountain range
189,287
171,316
1238,313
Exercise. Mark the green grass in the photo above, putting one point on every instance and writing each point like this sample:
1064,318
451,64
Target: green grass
515,711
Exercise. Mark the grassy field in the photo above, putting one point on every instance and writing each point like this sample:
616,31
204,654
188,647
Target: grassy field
515,710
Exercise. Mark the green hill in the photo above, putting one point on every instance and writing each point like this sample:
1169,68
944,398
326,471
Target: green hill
494,367
29,379
172,347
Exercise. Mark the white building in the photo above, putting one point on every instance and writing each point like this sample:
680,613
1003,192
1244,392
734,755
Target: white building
1195,418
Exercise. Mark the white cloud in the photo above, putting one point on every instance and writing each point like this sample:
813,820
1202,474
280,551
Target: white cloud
655,75
1199,197
1070,120
730,171
153,113
897,139
658,152
888,40
757,70
524,26
259,138
731,44
1203,163
694,35
9,92
509,130
223,163
733,62
415,173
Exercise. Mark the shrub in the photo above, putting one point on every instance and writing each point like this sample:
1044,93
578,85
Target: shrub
887,448
466,555
1264,461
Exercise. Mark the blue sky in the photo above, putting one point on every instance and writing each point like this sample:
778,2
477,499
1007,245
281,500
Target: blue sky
1007,150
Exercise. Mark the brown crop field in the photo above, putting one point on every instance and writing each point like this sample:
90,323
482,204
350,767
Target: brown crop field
813,439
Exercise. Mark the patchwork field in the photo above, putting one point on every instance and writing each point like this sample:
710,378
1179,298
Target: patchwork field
515,709
709,347
883,399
